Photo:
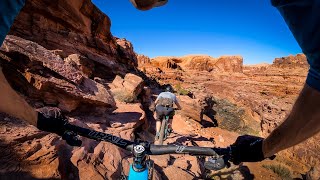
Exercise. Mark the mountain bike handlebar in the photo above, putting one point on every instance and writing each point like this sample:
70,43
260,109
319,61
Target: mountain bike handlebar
191,150
150,149
98,136
219,156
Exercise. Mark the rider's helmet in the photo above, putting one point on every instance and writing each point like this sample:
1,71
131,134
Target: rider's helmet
169,89
148,4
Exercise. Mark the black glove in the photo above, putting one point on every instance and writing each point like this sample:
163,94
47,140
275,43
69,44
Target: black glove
51,120
247,149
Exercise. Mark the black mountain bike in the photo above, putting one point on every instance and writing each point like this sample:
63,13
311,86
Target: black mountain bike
164,130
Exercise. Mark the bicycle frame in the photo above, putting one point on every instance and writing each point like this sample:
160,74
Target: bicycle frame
134,175
166,133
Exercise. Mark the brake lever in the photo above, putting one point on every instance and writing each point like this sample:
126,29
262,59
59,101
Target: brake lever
215,164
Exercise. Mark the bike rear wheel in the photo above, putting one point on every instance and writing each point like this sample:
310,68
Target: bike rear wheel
162,131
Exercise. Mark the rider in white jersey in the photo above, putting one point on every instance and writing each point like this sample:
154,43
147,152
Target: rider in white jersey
164,104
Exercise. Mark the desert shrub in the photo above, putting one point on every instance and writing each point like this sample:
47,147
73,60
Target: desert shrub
124,96
180,90
282,171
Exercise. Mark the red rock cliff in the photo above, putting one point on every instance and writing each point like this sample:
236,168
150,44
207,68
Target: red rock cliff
75,27
198,62
299,60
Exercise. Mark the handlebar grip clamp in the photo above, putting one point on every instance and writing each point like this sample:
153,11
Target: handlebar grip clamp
71,138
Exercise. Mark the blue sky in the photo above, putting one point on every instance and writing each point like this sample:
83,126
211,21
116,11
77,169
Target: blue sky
251,28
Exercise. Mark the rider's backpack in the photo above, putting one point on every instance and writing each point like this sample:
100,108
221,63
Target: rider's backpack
165,102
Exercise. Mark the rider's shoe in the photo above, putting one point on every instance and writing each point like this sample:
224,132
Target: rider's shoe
170,130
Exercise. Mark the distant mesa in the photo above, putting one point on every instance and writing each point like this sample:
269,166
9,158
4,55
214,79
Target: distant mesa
195,62
231,64
299,60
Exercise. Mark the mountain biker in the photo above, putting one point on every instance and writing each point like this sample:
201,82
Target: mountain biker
164,106
303,122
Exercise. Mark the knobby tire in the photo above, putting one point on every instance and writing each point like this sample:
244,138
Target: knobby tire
162,131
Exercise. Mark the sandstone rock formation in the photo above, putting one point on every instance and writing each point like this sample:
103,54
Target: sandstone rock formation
198,62
297,61
256,68
128,88
125,49
75,27
48,77
143,60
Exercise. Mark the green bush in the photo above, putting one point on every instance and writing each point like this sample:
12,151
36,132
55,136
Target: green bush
282,171
180,90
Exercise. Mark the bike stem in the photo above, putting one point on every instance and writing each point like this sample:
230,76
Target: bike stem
140,157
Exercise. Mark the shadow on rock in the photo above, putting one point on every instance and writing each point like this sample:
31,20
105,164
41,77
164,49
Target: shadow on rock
242,172
10,164
66,168
183,139
21,175
245,171
210,113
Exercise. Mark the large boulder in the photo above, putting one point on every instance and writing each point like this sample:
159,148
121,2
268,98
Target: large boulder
81,63
42,75
200,109
37,54
128,88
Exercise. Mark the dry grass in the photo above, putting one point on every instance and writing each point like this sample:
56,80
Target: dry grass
282,171
180,90
124,96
